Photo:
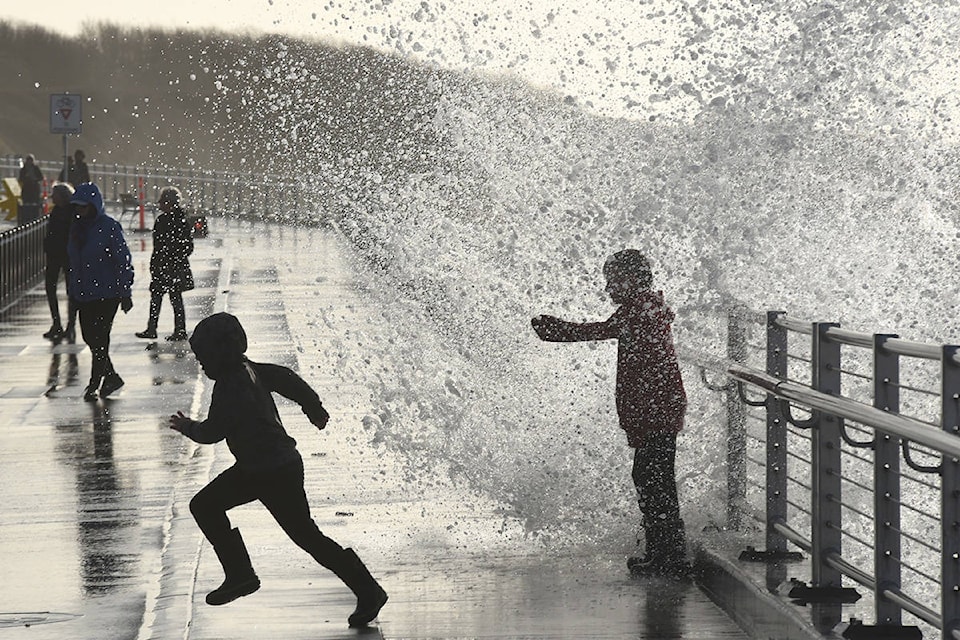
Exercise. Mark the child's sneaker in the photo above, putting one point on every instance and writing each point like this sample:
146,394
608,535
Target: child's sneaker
111,383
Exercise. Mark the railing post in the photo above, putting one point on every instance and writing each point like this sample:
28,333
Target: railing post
950,496
826,493
736,424
776,437
886,483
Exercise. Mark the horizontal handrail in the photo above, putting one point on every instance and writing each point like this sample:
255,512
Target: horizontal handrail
899,346
890,423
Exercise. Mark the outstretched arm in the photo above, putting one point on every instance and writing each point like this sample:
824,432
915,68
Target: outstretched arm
282,380
554,329
206,432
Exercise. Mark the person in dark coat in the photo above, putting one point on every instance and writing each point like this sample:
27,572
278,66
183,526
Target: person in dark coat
268,466
169,264
651,401
31,181
77,170
55,249
101,277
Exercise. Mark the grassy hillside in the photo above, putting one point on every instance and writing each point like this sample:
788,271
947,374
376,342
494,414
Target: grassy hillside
183,98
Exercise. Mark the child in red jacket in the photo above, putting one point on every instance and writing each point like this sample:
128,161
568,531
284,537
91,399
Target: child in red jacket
651,401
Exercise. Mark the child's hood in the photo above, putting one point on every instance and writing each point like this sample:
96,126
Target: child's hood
219,343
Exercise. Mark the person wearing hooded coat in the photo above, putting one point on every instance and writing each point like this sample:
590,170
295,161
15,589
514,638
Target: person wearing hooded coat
100,280
55,248
169,264
650,398
268,466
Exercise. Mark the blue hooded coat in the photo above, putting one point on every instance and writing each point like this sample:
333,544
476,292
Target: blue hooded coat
100,263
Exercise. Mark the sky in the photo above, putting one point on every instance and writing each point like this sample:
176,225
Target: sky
587,50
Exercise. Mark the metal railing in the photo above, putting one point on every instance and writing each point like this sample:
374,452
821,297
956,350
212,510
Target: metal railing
263,195
831,482
212,193
21,259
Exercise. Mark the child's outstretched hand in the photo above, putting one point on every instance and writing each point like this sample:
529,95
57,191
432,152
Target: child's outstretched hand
545,326
179,422
318,417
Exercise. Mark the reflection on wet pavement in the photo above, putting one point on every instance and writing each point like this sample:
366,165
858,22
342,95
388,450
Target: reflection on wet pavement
96,539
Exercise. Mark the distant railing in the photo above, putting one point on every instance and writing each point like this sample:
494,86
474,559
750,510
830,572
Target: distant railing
213,193
831,482
262,195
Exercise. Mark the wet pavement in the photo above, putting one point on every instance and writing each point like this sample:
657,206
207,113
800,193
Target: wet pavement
96,540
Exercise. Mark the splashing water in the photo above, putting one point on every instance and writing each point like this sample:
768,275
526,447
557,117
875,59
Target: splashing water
789,156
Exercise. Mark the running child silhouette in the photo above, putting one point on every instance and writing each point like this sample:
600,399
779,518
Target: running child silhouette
651,401
268,467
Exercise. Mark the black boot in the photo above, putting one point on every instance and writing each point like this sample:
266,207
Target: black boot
651,541
55,332
666,551
240,579
111,382
370,596
90,393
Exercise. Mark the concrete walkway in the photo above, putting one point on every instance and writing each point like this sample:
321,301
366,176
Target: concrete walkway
96,540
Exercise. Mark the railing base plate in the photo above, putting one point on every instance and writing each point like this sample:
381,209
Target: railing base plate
859,631
769,557
834,595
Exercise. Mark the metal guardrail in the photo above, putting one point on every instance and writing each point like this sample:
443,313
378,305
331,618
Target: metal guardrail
263,196
257,194
21,259
801,492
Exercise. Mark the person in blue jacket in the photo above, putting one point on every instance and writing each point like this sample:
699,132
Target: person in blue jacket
101,276
268,467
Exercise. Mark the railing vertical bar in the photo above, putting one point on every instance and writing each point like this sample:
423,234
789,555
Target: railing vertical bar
825,454
736,424
950,496
776,436
886,479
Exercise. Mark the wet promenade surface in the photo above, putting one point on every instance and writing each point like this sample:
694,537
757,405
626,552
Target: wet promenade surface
96,540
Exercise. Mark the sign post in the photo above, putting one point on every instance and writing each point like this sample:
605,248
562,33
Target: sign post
65,118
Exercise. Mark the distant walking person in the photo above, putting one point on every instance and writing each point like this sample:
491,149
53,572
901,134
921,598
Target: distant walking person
268,466
169,264
55,248
77,170
651,401
31,181
101,276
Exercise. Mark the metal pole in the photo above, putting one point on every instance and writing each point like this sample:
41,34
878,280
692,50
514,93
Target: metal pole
66,161
886,484
736,425
950,497
776,436
825,503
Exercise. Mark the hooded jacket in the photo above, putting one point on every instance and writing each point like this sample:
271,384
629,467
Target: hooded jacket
242,409
649,392
58,234
100,263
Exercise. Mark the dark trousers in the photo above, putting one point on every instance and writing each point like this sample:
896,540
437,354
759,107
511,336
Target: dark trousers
281,491
655,478
96,321
176,301
51,276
